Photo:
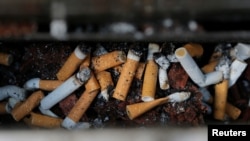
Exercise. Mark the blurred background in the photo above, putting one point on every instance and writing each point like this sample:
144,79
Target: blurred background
173,20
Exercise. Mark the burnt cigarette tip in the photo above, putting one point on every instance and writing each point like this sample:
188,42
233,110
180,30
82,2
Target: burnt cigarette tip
84,48
157,55
84,74
136,49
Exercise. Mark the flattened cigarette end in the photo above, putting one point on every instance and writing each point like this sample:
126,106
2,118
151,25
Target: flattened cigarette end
70,124
147,98
12,91
179,96
32,84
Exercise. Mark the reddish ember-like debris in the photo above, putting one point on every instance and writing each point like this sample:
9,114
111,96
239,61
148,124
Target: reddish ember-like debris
177,76
68,103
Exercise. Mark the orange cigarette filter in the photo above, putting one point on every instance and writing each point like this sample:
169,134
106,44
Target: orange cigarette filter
232,111
140,70
86,62
27,106
105,79
49,85
71,65
137,109
2,108
108,60
42,121
82,105
150,81
194,49
125,79
6,59
209,67
220,100
92,84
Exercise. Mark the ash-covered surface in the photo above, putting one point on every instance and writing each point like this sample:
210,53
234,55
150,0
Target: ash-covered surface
43,60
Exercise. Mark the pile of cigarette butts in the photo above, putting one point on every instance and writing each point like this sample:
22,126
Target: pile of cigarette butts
88,69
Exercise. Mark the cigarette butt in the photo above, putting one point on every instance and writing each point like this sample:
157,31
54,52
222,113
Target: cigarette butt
140,70
12,91
108,60
163,79
190,66
126,77
86,62
65,89
43,121
71,64
195,50
37,83
163,63
209,67
3,108
82,105
6,59
149,81
232,111
220,99
137,109
237,68
49,85
105,79
27,106
92,84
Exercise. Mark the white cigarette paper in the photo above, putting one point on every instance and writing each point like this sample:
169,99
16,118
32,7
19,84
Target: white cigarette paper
47,112
241,51
152,48
224,66
237,68
178,96
70,124
69,86
163,62
12,91
194,71
32,84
